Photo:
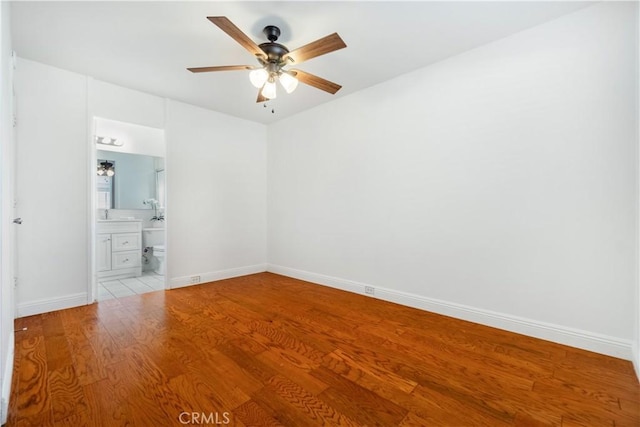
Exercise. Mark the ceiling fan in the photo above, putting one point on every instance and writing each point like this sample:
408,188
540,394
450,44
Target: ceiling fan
274,57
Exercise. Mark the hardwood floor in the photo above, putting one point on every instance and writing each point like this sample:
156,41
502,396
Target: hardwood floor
266,350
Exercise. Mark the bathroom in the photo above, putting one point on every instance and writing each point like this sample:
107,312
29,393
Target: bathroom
130,202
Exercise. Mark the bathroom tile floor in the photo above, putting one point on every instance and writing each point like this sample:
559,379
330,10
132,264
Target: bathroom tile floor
148,282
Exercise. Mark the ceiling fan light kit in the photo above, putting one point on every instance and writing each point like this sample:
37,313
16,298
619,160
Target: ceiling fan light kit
106,168
288,82
273,57
269,89
258,77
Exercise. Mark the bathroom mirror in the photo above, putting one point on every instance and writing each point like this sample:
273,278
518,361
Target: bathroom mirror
124,180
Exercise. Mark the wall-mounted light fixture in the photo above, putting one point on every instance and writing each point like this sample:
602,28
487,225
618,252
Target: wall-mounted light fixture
106,140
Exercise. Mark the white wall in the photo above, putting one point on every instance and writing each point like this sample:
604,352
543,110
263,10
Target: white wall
496,186
126,105
7,299
52,187
216,194
216,182
135,139
216,189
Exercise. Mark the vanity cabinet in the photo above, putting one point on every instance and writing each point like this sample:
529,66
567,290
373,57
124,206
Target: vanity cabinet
119,249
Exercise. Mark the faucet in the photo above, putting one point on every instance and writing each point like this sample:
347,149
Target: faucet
106,214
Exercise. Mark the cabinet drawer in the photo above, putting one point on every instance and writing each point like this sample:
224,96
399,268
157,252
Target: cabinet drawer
126,259
125,241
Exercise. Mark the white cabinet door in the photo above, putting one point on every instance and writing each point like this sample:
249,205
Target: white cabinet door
103,253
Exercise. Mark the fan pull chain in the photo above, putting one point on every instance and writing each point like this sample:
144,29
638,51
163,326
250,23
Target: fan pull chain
273,110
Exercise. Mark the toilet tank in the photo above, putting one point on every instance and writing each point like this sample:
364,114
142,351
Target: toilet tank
152,236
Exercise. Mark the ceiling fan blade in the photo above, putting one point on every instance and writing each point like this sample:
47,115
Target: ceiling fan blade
319,47
261,97
220,68
317,82
229,27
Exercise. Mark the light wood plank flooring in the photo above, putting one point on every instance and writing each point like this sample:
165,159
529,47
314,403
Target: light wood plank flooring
266,350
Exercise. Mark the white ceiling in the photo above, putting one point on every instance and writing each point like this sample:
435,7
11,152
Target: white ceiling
148,45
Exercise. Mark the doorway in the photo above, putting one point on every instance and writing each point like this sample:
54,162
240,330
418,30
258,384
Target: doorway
128,198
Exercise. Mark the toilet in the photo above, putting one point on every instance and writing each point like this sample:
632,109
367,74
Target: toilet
153,238
158,254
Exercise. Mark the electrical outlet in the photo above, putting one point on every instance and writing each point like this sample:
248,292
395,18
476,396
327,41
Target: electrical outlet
369,290
195,279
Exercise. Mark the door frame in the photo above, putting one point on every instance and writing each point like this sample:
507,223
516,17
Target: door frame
92,291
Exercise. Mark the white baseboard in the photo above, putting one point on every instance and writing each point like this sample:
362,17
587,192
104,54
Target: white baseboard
46,305
6,381
586,340
636,359
181,282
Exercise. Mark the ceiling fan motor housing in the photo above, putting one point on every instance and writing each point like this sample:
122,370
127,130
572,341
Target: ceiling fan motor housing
275,51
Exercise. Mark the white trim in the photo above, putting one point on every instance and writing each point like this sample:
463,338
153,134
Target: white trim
92,282
636,360
167,201
6,381
636,344
181,282
46,305
586,340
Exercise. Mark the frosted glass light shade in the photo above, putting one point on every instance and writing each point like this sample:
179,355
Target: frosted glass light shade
258,77
289,83
269,90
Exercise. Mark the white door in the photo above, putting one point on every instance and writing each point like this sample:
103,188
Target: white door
51,188
103,252
7,225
